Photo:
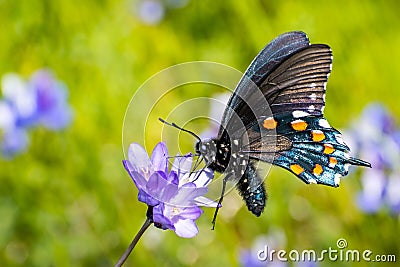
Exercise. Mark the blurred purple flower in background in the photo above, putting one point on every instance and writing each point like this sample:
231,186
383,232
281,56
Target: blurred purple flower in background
218,104
276,240
52,109
152,12
260,253
13,139
42,101
307,263
21,100
173,197
374,137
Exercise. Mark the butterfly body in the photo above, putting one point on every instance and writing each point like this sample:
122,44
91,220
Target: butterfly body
275,115
226,158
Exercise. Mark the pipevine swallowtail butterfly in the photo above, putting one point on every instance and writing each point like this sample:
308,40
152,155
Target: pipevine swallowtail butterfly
275,115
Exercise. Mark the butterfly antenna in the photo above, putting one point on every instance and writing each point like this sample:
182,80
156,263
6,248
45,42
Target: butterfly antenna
180,128
177,156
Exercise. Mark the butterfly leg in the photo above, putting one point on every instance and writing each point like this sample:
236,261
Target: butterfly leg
220,201
197,164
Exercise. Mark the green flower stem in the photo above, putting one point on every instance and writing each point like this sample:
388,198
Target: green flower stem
128,251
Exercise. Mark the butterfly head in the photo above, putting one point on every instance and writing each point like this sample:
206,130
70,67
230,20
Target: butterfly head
207,149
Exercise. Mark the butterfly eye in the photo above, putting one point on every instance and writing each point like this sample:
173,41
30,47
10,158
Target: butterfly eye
203,147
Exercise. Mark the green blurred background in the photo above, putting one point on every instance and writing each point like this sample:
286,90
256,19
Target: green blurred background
67,201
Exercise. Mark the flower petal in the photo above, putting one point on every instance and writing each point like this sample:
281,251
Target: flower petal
205,202
186,195
159,157
146,198
378,113
161,189
173,178
160,218
205,178
16,90
392,193
8,117
182,164
186,228
200,178
51,95
192,213
139,159
371,198
137,177
14,141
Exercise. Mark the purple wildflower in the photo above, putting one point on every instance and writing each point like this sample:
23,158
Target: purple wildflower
173,197
20,99
370,199
52,109
392,193
13,142
151,11
40,101
376,138
13,139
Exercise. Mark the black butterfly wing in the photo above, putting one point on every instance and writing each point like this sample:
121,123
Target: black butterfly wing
298,84
294,89
306,144
240,111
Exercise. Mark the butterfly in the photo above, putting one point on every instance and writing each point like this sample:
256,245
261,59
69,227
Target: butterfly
275,115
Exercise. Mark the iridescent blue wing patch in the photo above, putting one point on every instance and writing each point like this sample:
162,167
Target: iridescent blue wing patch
318,153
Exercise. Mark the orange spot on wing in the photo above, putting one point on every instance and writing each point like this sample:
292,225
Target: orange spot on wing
317,136
270,123
328,149
318,169
297,169
299,125
332,162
